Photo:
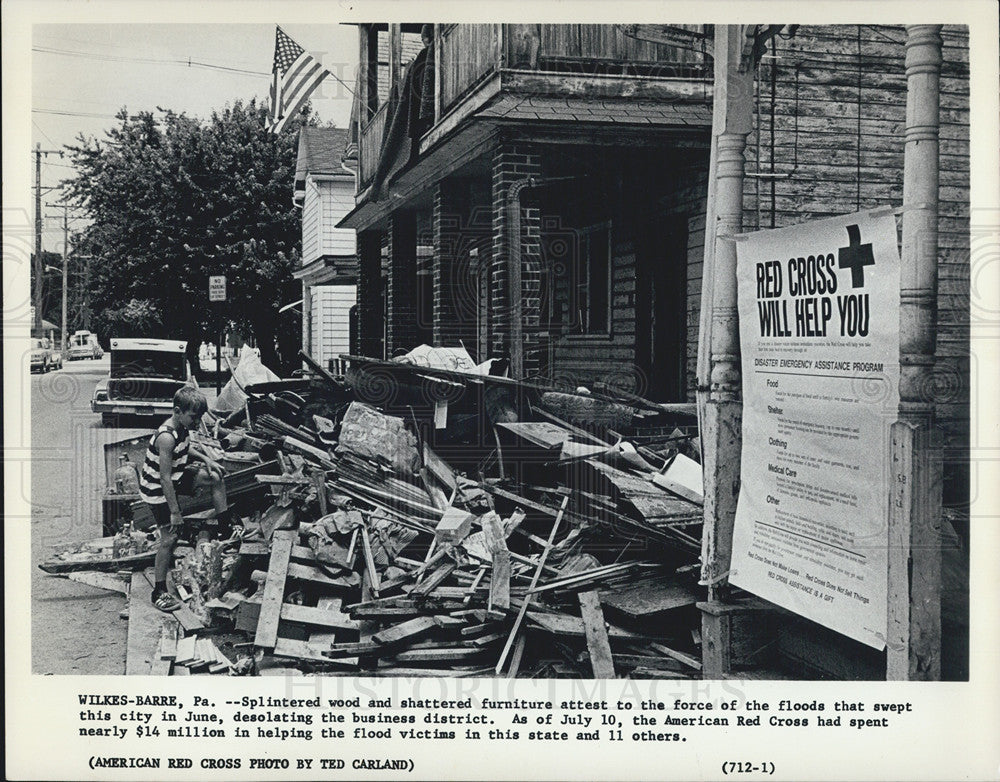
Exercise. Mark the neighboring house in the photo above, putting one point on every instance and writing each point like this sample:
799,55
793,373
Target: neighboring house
560,174
324,190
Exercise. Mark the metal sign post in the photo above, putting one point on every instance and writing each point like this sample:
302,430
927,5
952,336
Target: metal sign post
217,292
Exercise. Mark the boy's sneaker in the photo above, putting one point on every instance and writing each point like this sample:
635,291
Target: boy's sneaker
166,602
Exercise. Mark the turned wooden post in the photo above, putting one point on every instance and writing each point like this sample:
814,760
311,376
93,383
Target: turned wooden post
914,599
720,377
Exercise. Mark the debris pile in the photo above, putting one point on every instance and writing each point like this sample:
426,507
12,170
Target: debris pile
424,517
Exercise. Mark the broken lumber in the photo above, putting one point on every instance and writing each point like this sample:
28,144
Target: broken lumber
597,636
534,583
274,589
407,631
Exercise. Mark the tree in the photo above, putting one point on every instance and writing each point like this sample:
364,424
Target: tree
173,201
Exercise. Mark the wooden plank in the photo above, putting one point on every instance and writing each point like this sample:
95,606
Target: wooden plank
486,640
254,548
300,650
500,580
358,649
318,616
247,614
205,650
160,664
168,644
188,620
370,571
534,582
108,581
276,518
477,629
144,627
274,588
439,469
437,655
475,584
597,636
302,572
516,656
407,631
186,650
434,579
448,622
686,659
650,600
573,626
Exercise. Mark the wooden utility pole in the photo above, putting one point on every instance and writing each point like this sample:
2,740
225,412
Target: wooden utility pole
914,600
720,377
65,278
38,265
37,325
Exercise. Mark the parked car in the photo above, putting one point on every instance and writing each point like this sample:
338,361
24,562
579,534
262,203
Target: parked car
84,344
56,362
41,355
145,374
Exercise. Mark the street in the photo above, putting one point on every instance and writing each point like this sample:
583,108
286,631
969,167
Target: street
75,629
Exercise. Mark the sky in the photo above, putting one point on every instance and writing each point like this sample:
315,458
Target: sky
82,74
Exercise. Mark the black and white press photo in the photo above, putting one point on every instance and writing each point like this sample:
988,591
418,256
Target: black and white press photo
612,387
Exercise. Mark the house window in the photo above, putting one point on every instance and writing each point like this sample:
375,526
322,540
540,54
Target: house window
593,277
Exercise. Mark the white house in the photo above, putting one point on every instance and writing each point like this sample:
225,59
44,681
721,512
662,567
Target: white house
324,190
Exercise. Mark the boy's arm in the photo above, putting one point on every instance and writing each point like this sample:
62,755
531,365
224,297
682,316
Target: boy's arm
165,449
212,465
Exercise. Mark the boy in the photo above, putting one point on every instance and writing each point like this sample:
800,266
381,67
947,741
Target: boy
167,472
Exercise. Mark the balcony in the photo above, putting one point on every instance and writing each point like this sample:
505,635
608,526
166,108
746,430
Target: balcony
475,62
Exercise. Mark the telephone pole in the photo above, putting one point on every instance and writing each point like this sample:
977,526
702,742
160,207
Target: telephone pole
65,273
37,299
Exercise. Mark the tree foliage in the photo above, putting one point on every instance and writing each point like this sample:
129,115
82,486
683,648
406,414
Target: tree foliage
174,200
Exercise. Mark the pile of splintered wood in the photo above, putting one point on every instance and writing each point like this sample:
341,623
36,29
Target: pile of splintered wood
520,531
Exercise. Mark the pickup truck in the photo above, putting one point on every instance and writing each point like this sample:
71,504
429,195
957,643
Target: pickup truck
42,356
145,374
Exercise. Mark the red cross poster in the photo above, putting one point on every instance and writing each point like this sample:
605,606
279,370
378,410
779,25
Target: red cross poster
819,333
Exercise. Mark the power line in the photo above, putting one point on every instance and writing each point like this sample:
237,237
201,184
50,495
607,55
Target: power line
147,60
73,113
47,137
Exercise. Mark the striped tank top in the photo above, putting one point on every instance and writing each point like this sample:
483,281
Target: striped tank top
150,487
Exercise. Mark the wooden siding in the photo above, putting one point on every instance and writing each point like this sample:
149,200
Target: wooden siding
337,202
326,203
585,359
831,118
312,210
605,43
468,53
330,318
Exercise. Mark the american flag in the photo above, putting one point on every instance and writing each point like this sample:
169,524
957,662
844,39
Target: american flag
296,75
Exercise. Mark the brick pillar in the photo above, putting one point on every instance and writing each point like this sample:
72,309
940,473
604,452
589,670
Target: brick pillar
370,323
513,164
401,303
458,227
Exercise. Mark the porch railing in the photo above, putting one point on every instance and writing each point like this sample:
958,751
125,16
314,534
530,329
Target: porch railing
371,144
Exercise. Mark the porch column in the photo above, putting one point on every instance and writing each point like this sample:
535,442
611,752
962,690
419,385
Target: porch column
370,322
401,304
720,378
914,609
454,314
515,295
307,318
